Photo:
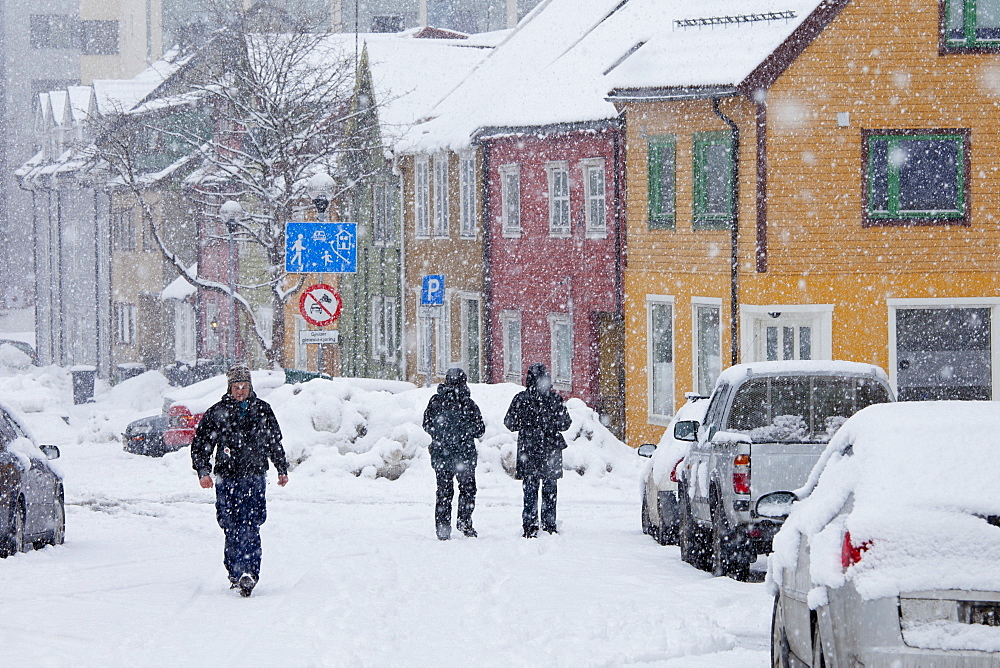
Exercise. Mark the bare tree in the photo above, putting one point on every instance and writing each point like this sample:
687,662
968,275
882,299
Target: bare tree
280,101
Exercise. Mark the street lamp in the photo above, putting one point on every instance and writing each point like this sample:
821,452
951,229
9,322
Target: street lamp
231,212
320,189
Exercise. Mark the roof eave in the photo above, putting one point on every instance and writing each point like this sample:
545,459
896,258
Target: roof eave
671,93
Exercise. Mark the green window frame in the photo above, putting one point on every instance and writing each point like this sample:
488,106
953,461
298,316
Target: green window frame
661,152
971,24
713,180
916,177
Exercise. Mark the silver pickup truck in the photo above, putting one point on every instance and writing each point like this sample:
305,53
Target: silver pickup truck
765,427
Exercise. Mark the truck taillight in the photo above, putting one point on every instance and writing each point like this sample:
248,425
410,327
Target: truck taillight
741,474
673,471
850,553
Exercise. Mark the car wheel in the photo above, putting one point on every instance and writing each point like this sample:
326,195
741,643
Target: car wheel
729,552
819,656
647,525
58,536
667,531
780,652
690,537
13,542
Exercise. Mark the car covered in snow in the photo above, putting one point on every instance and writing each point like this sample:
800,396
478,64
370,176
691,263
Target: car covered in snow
889,554
659,486
32,509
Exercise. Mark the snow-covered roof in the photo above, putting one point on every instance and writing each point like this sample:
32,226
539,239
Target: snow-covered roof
410,74
180,288
708,43
119,95
79,100
558,66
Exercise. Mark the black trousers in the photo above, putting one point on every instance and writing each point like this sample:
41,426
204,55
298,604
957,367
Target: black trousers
466,477
529,517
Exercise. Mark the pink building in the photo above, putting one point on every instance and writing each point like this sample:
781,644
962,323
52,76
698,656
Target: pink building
555,255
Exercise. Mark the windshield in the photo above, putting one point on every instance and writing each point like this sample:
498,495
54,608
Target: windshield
800,409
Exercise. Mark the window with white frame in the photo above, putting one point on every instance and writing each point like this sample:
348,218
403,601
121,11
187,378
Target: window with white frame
561,337
123,230
301,349
471,336
386,194
467,195
510,200
595,197
559,224
441,195
185,332
707,344
442,345
510,322
660,352
126,316
786,332
421,197
425,341
384,328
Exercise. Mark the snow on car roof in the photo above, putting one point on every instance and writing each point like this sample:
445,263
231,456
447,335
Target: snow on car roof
921,478
737,372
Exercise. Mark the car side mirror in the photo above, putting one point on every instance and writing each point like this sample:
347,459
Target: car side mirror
776,505
646,449
686,430
51,451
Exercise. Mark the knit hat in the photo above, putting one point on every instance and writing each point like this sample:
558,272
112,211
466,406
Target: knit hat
238,373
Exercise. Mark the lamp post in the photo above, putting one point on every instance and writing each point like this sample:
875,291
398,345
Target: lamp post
320,189
231,212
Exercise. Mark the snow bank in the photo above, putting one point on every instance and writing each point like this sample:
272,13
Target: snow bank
359,426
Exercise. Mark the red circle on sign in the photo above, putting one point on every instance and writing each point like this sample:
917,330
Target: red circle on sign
320,305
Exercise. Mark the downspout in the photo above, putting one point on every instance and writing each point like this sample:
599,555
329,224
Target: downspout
734,257
487,335
620,262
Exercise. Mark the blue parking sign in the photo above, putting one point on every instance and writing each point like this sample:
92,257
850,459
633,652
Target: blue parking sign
321,248
432,290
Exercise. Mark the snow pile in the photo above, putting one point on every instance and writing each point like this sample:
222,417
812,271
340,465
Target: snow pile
359,426
36,389
13,359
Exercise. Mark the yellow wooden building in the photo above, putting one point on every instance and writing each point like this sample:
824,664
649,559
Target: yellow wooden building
858,219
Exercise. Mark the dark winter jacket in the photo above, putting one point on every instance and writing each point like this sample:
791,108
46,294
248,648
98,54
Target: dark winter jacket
538,415
453,421
242,439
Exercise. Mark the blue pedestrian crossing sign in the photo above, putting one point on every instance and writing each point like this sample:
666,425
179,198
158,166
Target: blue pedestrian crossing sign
432,290
321,248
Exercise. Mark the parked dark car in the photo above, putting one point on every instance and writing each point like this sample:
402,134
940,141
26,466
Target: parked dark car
145,437
23,347
32,507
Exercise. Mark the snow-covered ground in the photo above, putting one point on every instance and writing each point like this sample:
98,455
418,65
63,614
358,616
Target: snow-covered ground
352,573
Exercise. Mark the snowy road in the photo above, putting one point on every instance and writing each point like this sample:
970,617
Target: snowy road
353,575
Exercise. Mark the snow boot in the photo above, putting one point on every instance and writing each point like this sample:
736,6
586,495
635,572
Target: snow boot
530,532
246,583
467,530
443,531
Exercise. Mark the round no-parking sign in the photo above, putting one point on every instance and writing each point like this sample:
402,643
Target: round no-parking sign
320,305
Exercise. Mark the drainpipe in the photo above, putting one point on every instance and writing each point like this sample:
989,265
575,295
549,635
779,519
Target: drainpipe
487,325
734,257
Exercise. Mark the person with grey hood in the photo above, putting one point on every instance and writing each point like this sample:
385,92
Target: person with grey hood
538,415
242,434
454,421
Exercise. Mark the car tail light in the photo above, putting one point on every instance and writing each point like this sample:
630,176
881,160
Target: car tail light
673,471
741,474
181,418
850,553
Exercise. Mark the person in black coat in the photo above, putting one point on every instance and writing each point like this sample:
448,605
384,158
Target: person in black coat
242,434
538,415
454,421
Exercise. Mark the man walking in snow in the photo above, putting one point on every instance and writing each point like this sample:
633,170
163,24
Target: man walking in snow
538,415
242,433
454,421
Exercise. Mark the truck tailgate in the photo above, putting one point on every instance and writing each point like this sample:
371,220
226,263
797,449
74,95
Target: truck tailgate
781,466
